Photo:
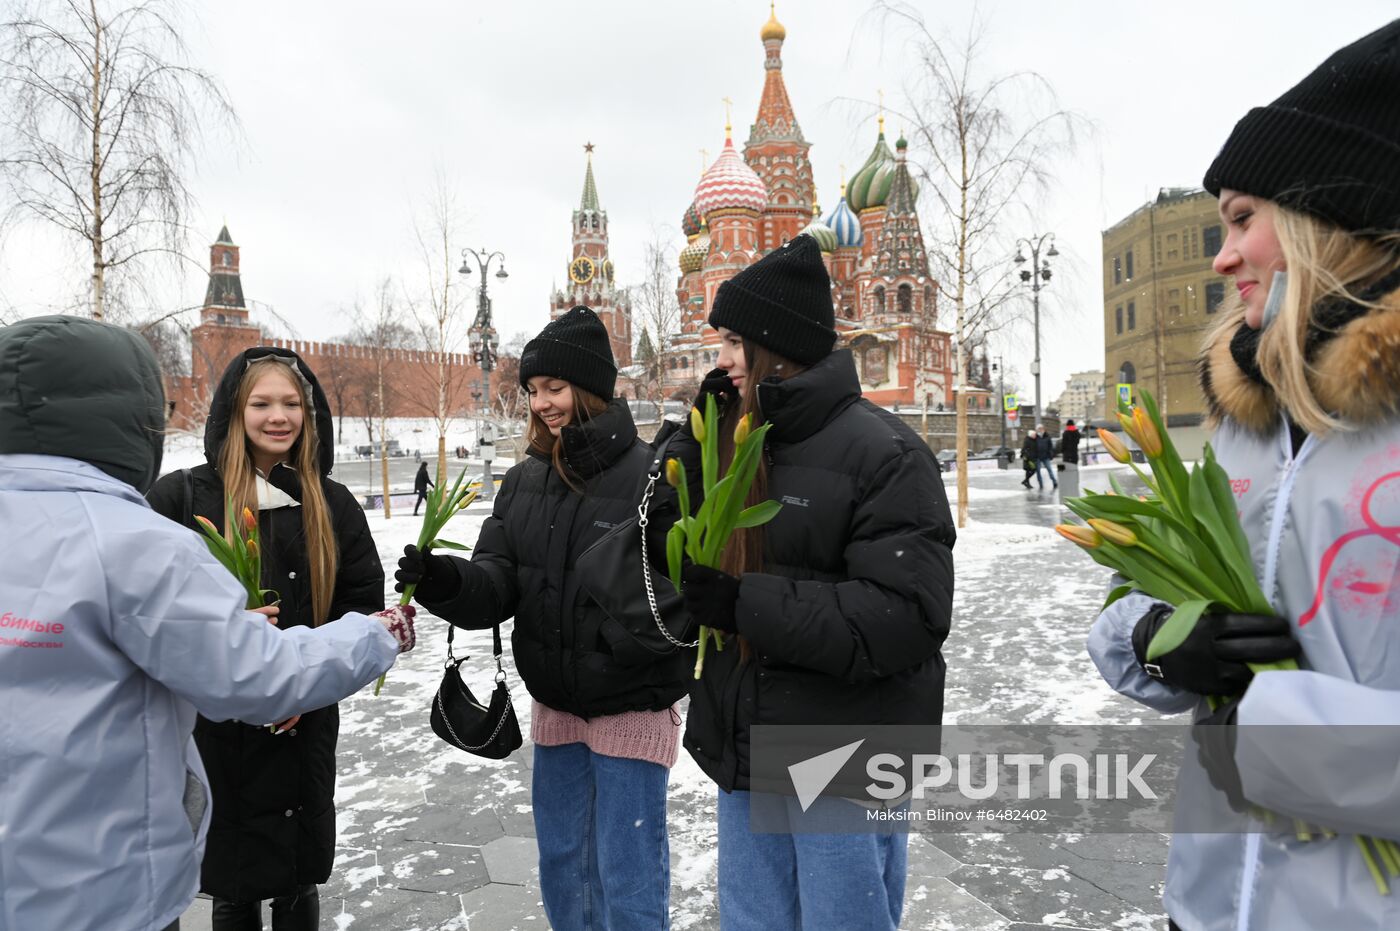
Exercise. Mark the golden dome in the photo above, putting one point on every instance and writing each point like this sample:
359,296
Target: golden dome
772,29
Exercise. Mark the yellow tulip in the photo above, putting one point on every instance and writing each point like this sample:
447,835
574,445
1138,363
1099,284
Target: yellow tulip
252,549
1147,435
1113,531
1086,537
673,473
1115,447
250,523
741,432
697,425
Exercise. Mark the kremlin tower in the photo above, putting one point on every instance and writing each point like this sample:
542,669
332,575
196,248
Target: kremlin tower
590,272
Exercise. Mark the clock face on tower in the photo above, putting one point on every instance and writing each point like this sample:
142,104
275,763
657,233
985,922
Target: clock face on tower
581,269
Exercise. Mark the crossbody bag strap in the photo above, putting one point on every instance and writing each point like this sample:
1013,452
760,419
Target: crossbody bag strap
496,649
654,474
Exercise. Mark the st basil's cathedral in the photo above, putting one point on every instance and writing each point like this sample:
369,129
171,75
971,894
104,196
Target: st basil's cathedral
745,206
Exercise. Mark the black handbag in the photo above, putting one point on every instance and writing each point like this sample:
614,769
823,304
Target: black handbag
459,719
616,573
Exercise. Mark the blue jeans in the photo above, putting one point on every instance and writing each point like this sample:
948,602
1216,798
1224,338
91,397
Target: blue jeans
807,882
600,822
1049,466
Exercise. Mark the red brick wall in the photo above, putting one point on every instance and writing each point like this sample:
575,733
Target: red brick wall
346,373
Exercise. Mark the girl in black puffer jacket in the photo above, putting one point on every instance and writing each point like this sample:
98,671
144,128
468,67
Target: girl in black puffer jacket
604,728
269,444
839,606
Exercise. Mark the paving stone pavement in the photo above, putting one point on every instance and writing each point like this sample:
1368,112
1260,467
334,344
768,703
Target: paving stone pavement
433,839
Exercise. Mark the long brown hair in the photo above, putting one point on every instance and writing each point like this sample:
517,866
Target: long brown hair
587,405
238,473
744,551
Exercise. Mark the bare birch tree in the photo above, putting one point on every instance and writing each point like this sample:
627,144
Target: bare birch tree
379,330
438,306
99,117
979,156
657,309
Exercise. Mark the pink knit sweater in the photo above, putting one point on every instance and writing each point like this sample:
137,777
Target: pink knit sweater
652,736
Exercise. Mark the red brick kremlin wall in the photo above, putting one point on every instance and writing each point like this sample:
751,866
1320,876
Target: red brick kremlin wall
346,374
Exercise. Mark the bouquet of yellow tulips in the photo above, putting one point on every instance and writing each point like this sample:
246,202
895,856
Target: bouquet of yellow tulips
702,537
441,504
238,550
1183,545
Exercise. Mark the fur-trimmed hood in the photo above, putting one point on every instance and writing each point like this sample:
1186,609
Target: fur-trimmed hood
1355,370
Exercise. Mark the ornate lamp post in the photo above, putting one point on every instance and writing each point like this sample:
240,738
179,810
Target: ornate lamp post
484,342
1038,272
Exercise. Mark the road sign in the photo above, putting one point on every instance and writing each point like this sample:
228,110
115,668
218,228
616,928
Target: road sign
1012,417
1009,402
1125,398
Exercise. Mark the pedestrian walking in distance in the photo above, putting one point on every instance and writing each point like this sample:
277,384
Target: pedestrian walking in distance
1030,454
835,612
1069,443
1302,379
117,626
268,446
603,721
421,484
1044,457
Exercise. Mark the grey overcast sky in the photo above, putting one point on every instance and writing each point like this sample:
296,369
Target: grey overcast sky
349,108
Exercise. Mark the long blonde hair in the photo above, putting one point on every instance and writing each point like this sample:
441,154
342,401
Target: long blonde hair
587,405
238,473
1324,263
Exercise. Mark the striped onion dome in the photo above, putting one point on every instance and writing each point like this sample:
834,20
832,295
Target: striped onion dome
870,185
822,234
692,257
844,224
730,183
690,223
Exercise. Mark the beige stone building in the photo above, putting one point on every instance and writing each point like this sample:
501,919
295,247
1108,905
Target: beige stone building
1083,398
1161,298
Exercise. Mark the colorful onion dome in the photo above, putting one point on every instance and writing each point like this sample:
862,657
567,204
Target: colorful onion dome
772,29
692,257
844,225
730,183
690,223
822,233
870,185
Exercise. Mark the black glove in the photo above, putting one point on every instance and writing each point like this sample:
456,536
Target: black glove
718,384
1212,659
710,597
436,577
1215,738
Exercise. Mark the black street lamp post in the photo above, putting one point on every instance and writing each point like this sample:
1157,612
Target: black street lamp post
1000,368
1038,272
484,342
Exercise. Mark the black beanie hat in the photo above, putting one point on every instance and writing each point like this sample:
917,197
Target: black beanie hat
575,348
782,302
1330,146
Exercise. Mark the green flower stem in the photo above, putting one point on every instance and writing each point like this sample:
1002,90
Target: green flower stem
1381,885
